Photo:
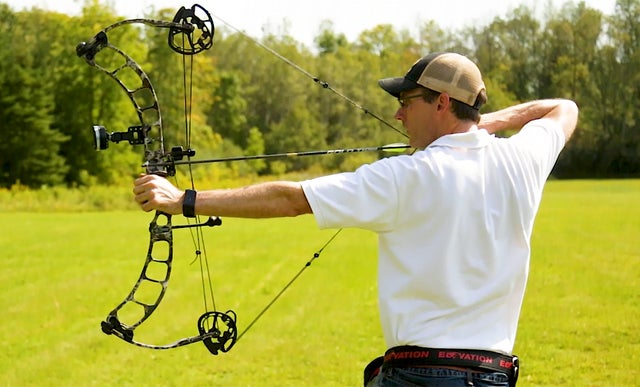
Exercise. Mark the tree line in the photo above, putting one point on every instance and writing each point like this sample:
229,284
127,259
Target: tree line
246,101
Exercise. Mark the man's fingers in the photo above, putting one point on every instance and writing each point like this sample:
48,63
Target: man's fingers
138,189
146,206
142,197
146,178
145,200
153,192
144,183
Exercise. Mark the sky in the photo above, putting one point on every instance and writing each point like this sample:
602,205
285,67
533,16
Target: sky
303,17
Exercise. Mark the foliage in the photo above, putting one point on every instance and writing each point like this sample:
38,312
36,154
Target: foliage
20,198
30,146
249,100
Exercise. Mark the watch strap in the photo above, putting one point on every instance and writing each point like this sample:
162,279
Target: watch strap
189,203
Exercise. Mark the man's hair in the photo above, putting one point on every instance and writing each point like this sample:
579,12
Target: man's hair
461,110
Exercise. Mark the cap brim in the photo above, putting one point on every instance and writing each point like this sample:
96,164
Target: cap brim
395,86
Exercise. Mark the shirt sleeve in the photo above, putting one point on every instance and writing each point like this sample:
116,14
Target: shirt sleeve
365,198
543,139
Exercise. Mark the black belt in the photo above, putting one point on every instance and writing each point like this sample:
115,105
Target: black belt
412,356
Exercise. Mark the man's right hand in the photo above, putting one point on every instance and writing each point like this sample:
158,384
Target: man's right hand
153,192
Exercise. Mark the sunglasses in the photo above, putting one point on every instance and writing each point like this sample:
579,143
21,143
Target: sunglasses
403,101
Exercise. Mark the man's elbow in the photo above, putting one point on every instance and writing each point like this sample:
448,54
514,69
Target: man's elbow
568,116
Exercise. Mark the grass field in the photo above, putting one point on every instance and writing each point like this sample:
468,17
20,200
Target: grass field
63,272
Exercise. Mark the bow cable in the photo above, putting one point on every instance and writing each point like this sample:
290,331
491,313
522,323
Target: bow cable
284,289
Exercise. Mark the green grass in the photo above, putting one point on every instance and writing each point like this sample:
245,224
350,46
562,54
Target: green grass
580,324
64,271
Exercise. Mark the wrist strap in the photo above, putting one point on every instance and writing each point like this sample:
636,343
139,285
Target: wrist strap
189,204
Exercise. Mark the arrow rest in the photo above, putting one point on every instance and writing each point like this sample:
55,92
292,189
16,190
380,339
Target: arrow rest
178,152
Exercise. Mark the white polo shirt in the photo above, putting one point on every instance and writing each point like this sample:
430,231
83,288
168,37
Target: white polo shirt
454,223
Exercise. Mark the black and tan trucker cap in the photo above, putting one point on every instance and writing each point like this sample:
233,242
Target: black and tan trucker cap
444,72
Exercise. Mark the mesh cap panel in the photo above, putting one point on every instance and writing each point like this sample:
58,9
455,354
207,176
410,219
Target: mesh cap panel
449,73
455,75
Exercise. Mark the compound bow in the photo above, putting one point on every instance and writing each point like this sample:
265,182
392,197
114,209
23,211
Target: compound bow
190,32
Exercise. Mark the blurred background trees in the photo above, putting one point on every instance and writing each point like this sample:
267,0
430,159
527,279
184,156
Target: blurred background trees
248,101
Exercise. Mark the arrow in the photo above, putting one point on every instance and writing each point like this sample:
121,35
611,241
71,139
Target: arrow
392,148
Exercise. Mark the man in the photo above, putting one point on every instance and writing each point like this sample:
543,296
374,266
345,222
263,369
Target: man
454,221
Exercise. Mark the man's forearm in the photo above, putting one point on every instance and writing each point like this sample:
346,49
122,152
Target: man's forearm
265,200
515,117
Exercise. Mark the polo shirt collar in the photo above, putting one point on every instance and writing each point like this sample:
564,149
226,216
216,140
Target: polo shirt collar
474,138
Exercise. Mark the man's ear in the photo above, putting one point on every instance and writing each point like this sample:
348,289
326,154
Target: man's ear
444,101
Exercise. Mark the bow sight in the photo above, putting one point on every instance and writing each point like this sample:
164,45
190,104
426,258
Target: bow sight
137,135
